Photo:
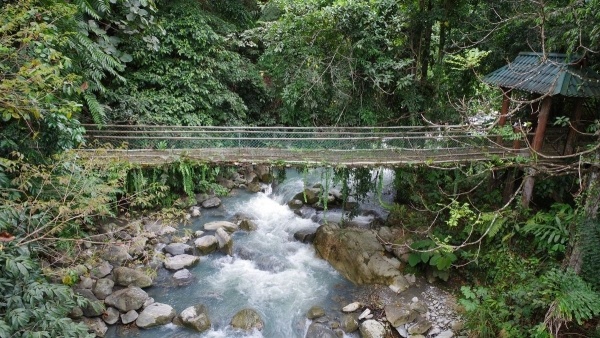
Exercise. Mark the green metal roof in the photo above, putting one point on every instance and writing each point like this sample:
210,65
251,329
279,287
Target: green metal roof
557,74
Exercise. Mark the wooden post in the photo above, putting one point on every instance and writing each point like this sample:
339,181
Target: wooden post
536,145
574,128
504,110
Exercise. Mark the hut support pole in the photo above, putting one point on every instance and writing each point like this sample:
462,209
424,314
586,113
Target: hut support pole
574,128
503,110
538,142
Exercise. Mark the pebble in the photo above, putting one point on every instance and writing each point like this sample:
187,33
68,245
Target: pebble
351,307
364,314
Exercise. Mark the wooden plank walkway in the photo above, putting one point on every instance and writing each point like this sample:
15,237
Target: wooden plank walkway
350,158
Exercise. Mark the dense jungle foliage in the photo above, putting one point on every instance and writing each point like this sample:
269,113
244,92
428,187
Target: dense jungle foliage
524,272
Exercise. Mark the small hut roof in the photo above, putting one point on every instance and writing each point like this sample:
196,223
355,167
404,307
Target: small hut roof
556,74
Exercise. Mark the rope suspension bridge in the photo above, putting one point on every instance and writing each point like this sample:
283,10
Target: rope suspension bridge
351,146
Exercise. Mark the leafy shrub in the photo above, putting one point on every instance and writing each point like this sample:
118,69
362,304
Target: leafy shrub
30,306
551,228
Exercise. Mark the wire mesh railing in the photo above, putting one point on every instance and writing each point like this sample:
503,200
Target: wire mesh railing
289,138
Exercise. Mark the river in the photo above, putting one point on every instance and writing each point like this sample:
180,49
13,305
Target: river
270,272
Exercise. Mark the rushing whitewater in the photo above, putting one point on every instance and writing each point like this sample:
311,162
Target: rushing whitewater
269,272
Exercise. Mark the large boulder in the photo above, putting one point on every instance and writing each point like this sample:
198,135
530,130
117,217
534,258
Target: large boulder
180,261
115,254
372,329
212,226
155,314
247,319
126,276
356,254
319,330
195,317
131,298
206,244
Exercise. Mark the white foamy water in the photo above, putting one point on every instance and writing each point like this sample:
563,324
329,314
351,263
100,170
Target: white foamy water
269,272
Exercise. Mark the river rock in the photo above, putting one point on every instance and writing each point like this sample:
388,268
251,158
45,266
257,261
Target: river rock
225,242
319,330
295,204
206,244
304,236
129,317
351,307
115,254
166,230
110,316
248,225
180,261
96,325
364,314
212,226
247,319
251,177
202,197
101,270
264,173
399,315
372,329
356,254
154,315
126,276
177,249
445,334
195,317
183,276
131,298
103,288
308,196
85,283
399,284
195,211
315,312
419,307
95,307
212,202
137,246
420,327
349,323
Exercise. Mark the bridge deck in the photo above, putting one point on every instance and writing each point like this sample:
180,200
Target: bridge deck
373,157
351,146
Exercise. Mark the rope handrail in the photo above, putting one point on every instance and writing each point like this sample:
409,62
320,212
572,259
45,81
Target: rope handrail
150,126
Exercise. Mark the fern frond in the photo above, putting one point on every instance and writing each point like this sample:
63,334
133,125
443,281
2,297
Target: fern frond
87,8
96,109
